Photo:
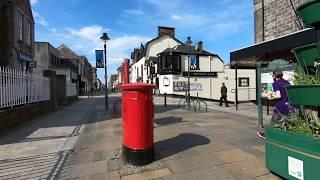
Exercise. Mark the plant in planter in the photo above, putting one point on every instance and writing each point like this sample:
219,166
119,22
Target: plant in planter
307,124
306,88
301,78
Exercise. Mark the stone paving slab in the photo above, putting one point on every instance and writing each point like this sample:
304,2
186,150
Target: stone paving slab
188,145
148,175
203,174
247,169
86,169
193,163
102,176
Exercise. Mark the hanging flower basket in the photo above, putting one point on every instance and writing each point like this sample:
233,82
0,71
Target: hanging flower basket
310,13
308,95
309,54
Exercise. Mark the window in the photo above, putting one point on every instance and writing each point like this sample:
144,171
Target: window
20,26
176,62
244,82
169,62
142,71
163,62
28,33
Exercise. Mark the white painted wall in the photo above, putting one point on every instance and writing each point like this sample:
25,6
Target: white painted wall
211,86
206,63
153,49
159,45
136,70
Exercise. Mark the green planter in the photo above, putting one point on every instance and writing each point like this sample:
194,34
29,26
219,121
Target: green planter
304,95
285,150
308,54
310,13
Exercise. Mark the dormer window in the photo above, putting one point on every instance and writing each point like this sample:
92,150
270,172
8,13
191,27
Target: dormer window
169,63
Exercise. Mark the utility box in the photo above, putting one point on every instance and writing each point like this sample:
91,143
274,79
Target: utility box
137,122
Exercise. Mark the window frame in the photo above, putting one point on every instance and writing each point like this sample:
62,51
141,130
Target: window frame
28,33
241,83
20,20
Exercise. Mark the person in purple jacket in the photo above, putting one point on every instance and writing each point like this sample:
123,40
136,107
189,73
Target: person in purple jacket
279,94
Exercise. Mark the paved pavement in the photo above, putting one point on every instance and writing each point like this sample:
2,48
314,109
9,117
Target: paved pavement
83,141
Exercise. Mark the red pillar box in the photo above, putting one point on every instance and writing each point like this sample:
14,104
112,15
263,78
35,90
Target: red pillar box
137,122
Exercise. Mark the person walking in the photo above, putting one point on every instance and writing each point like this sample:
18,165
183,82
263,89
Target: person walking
224,91
279,94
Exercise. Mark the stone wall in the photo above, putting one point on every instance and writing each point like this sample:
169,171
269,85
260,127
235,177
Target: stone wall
279,18
12,117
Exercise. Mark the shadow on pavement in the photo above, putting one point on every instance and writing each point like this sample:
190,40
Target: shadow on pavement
178,144
65,116
161,108
168,120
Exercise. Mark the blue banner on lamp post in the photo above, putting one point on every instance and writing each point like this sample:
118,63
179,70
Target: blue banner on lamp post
99,59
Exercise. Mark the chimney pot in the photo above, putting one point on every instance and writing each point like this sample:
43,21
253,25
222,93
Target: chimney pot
200,46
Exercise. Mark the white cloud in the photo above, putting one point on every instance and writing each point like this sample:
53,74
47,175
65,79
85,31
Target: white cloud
39,19
176,17
33,2
196,18
86,40
134,12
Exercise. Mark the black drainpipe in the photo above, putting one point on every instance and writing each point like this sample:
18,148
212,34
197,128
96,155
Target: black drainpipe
263,20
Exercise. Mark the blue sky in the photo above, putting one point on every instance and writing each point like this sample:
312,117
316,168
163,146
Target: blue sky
223,25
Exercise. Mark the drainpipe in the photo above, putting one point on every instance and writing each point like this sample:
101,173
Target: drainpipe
263,29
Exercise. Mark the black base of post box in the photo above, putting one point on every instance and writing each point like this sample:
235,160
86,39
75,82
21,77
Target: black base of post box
138,157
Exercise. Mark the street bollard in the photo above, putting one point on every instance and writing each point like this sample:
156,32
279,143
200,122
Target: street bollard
137,122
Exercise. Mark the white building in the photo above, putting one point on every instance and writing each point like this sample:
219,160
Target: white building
163,61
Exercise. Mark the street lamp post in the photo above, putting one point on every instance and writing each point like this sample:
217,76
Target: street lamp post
105,39
189,44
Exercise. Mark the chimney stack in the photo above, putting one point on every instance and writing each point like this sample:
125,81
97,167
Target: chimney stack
200,47
166,31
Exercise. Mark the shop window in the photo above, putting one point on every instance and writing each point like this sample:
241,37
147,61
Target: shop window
244,82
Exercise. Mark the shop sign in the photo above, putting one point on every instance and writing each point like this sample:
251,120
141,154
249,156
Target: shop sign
295,168
182,86
201,74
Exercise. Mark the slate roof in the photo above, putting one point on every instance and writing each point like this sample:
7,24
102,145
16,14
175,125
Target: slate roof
183,49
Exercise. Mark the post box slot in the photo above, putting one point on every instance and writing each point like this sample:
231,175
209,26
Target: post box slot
131,96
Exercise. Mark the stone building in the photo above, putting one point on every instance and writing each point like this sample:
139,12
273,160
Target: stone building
278,30
275,18
47,57
16,34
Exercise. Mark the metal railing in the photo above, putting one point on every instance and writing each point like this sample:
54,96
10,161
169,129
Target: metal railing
248,93
195,101
18,88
